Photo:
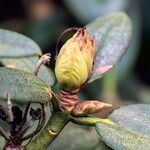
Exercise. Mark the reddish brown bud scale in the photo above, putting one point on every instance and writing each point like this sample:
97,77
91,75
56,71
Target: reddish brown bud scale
68,100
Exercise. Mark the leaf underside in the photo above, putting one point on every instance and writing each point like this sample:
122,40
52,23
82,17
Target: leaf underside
113,35
135,117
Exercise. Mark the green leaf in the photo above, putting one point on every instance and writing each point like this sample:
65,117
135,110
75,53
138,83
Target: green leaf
74,137
22,87
20,52
113,35
125,66
121,138
128,128
13,44
28,64
135,117
2,142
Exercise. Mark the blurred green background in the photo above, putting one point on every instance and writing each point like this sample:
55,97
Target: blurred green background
44,20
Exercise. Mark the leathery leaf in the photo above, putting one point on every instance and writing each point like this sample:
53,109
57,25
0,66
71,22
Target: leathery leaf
128,128
113,35
13,44
22,87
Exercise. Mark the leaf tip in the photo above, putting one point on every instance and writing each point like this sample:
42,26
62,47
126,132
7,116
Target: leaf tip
103,69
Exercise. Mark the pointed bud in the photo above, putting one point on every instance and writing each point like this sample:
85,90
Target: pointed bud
89,107
75,60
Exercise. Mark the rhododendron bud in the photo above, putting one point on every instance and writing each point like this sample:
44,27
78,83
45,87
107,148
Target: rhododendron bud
75,60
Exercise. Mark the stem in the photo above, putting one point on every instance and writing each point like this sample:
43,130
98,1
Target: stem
9,108
88,121
57,122
55,103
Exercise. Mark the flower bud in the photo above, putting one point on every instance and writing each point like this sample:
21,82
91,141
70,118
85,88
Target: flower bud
75,60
